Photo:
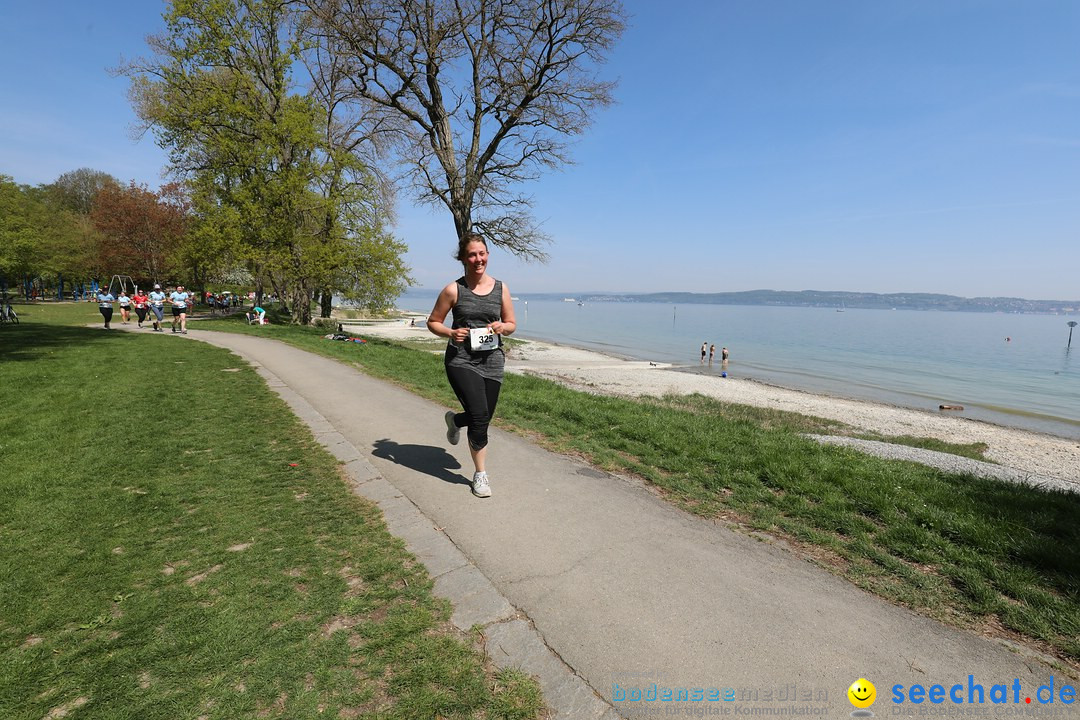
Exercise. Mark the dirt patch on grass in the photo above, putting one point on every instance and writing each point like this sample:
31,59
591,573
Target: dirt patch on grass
339,622
278,706
816,554
31,642
355,584
380,699
66,709
170,568
196,579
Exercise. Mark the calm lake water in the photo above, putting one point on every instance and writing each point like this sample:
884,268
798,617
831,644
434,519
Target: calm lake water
902,357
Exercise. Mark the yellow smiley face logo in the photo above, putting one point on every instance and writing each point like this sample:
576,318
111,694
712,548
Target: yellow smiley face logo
862,693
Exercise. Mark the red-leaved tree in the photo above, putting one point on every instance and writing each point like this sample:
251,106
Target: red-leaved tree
141,230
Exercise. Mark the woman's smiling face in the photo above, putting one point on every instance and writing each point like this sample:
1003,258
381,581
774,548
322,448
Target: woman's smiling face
476,257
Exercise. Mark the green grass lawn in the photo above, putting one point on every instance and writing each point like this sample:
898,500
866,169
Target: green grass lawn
999,558
177,545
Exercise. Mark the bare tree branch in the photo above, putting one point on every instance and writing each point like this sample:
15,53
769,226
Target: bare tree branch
473,96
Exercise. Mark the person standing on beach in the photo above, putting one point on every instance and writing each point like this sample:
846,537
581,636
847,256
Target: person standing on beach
723,354
105,301
704,349
474,360
712,352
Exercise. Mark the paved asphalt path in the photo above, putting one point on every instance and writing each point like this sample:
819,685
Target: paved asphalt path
630,592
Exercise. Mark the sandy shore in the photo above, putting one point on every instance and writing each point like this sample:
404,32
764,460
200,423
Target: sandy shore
1022,450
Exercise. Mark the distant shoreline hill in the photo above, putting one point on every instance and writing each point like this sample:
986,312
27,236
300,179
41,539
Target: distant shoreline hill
836,299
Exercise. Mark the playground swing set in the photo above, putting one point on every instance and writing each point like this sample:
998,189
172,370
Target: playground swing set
38,288
121,282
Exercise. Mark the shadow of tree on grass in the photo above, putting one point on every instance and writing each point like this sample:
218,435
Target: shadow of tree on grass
33,341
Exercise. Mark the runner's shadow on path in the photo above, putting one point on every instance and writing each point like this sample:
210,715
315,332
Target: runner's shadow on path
433,461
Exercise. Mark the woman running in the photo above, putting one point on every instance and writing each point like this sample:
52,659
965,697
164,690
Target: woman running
483,313
157,306
105,301
141,301
125,306
179,300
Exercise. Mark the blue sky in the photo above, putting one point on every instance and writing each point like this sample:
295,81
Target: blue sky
887,146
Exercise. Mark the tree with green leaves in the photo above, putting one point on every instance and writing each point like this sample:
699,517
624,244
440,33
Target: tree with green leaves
20,232
42,237
476,96
273,180
75,190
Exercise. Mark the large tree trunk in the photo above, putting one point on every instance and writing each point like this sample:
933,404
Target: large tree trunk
301,311
280,293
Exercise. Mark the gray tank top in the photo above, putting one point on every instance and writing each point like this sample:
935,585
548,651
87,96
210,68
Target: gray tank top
476,311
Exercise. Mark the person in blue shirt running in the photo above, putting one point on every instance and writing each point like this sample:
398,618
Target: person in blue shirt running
179,300
157,306
125,306
105,301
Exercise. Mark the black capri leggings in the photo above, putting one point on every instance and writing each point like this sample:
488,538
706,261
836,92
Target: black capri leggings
478,396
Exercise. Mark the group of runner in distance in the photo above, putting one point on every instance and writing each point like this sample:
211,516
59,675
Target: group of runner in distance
145,303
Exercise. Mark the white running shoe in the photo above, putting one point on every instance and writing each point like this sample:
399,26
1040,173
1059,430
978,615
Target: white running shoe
453,432
480,487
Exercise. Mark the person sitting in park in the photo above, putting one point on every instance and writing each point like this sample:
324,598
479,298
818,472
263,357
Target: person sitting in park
257,316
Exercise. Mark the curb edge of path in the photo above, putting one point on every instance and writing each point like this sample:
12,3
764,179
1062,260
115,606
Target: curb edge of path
511,640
